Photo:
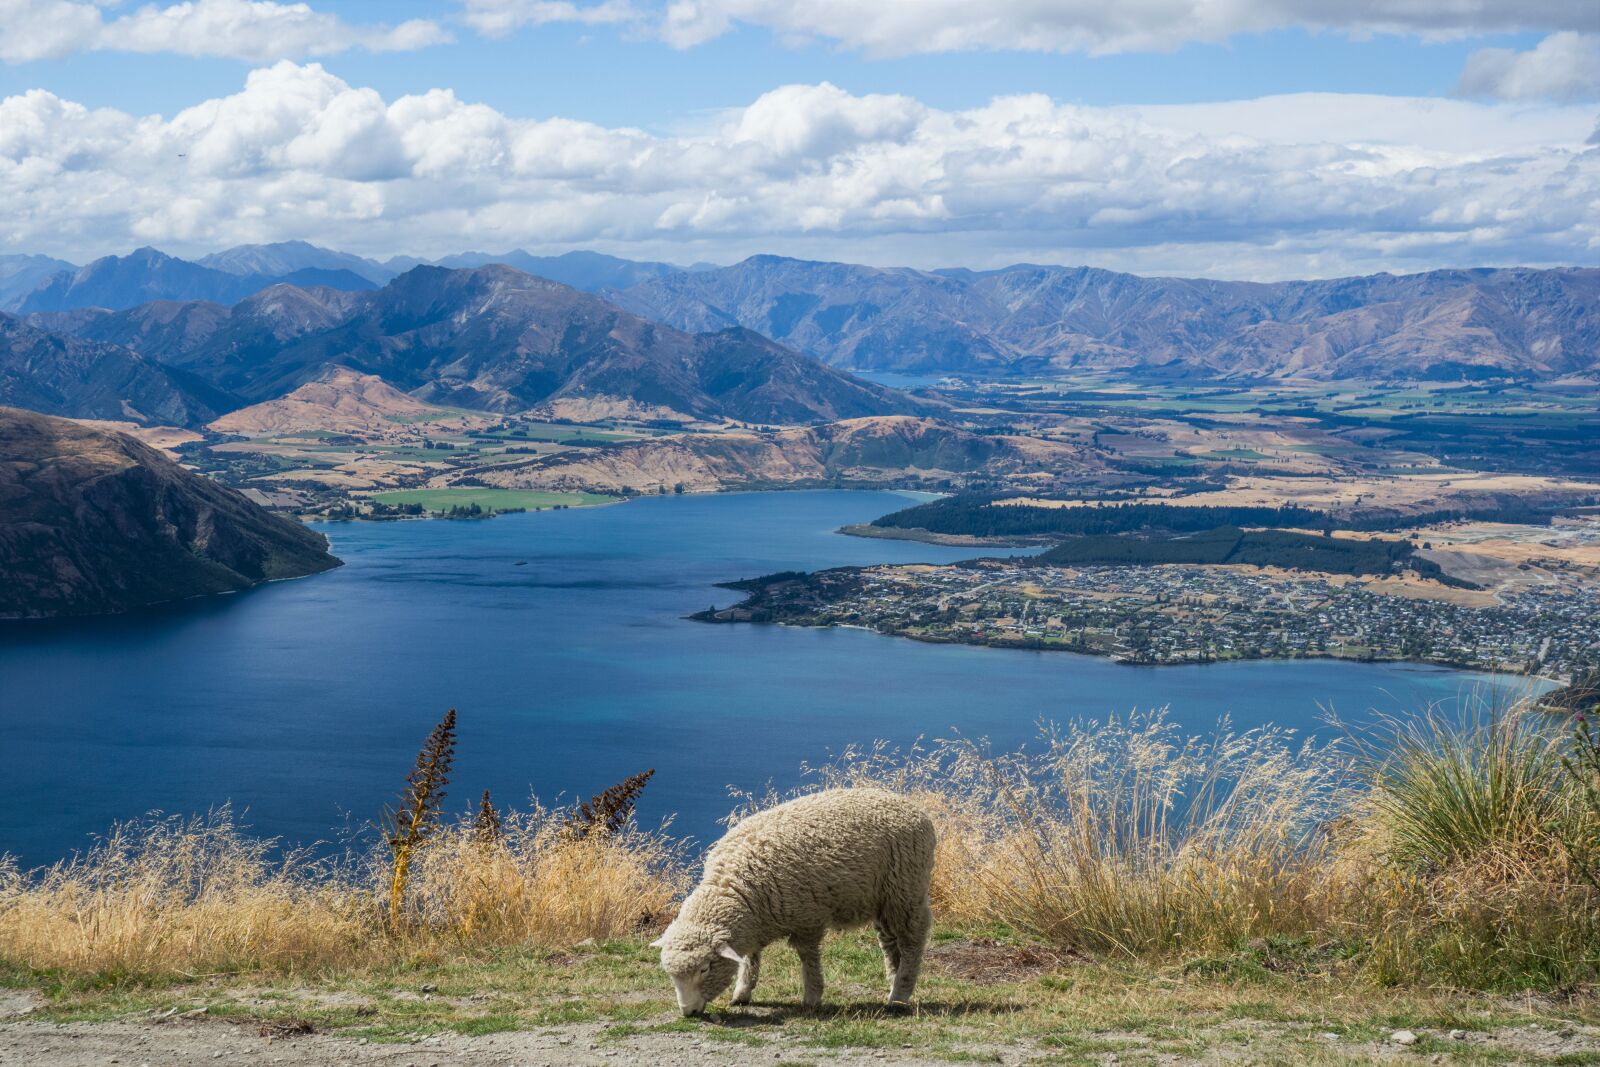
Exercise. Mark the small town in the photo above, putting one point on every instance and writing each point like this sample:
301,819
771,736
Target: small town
1186,614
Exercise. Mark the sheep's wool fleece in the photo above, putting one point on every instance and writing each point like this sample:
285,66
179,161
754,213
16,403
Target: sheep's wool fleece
825,861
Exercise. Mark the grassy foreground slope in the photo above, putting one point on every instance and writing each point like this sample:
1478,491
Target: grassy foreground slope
1124,891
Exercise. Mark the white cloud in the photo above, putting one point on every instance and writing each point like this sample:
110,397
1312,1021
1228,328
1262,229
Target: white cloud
254,30
497,18
1294,185
1563,66
820,121
902,27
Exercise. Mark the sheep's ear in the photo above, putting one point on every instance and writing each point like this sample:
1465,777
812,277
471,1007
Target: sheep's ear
727,953
658,942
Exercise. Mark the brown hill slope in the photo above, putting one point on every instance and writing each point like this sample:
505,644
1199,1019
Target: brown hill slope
899,446
342,401
94,522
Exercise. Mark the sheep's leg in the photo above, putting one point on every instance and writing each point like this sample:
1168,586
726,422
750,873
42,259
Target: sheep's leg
809,948
891,948
913,938
749,974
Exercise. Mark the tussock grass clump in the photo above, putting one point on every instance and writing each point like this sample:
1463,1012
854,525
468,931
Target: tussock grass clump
172,898
1463,854
1447,790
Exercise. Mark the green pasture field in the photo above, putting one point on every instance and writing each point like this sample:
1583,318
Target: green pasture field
488,499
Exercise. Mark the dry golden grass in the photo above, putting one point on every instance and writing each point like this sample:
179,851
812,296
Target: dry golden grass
1124,836
181,897
176,898
1443,861
539,883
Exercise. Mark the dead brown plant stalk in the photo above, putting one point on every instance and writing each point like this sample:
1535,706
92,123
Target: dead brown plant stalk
418,812
609,811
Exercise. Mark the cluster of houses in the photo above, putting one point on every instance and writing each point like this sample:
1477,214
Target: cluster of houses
1194,614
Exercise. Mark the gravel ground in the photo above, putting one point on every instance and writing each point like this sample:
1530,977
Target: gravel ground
199,1037
203,1041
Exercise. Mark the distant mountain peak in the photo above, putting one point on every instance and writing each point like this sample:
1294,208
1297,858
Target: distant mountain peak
147,273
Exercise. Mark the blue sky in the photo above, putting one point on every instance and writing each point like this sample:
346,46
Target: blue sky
905,145
619,79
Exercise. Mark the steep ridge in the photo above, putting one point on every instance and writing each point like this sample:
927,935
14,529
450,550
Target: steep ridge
156,330
94,522
589,271
62,375
22,274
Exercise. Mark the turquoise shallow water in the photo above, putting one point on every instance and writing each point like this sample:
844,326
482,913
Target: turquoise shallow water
304,702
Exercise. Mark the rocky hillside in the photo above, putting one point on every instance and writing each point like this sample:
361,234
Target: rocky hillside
63,375
871,449
94,522
1442,324
490,338
154,330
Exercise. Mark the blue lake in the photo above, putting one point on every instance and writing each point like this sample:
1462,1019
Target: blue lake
303,703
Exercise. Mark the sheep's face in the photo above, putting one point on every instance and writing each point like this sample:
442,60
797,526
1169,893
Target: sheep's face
699,973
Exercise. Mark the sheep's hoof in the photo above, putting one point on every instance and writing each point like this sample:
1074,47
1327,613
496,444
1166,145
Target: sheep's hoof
898,1007
740,1002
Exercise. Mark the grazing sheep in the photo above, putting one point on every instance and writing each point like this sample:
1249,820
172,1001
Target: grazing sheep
824,862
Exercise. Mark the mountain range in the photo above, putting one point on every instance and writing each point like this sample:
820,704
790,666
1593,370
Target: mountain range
30,283
1023,319
92,521
1033,319
488,338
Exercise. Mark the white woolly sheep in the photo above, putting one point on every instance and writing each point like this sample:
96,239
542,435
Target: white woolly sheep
828,861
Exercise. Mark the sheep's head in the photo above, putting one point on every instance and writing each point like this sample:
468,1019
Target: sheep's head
700,965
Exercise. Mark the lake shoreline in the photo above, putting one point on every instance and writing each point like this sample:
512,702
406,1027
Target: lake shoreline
1035,645
302,701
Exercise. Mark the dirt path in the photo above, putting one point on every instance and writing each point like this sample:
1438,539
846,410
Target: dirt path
198,1038
196,1041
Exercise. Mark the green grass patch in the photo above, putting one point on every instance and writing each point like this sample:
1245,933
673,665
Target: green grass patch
488,499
